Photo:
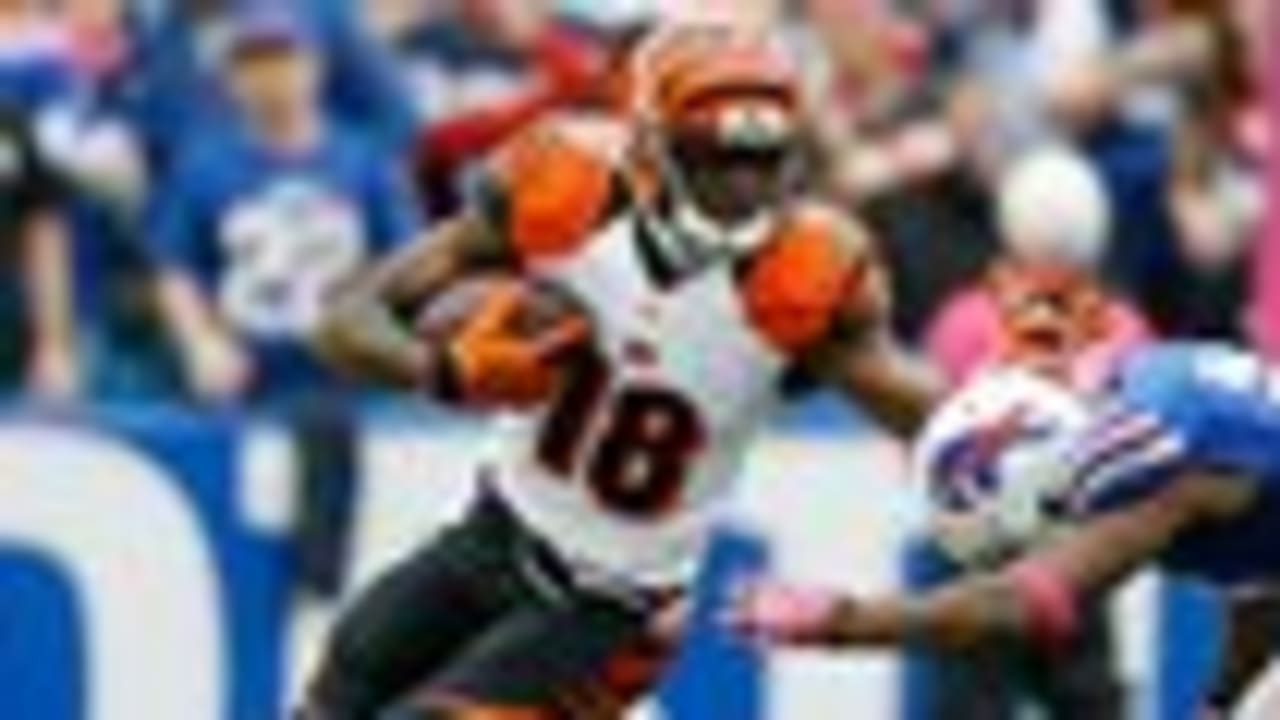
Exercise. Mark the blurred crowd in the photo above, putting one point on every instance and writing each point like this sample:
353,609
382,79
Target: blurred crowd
182,182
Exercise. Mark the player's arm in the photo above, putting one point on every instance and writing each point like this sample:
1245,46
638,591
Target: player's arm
861,358
365,331
1253,619
217,367
873,370
47,260
1036,598
541,195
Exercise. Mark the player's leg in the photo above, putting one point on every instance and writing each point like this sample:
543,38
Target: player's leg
981,683
1085,685
977,685
325,436
588,659
408,625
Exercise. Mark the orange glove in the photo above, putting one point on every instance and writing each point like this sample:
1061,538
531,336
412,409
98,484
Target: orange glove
494,366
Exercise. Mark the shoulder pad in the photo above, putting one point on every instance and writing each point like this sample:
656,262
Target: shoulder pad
554,183
817,265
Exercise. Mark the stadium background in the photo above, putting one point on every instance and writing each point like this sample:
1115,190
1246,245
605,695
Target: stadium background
146,525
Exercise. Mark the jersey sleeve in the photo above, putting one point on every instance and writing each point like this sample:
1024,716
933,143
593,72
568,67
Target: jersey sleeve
174,218
1124,456
545,191
817,275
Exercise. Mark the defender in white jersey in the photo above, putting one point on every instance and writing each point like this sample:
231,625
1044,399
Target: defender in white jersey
712,286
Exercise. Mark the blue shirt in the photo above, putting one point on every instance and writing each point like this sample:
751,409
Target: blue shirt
1177,407
38,75
268,235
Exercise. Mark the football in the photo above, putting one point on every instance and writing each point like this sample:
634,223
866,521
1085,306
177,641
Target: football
540,309
543,306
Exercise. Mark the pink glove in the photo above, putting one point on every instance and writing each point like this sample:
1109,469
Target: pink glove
778,613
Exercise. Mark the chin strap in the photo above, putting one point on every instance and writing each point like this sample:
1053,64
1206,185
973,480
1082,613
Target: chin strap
694,241
690,237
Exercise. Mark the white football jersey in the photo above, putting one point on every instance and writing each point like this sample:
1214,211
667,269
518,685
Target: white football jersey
627,471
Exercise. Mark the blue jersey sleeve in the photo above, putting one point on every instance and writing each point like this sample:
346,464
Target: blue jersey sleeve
1124,456
1180,406
176,218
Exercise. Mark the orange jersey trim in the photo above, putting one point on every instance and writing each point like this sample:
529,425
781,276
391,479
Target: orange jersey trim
556,188
802,279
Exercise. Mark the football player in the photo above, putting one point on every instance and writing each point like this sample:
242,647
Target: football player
711,283
1042,306
1178,466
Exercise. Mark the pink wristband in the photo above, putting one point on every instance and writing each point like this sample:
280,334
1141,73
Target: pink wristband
1052,607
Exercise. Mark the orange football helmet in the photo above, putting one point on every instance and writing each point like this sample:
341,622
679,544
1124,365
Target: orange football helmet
719,115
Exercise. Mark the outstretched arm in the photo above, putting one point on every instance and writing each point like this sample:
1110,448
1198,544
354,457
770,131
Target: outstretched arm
862,359
1036,598
871,369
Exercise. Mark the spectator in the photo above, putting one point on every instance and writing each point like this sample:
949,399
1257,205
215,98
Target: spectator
37,84
1216,201
1183,249
1134,160
1215,192
926,191
179,89
1016,47
121,344
100,147
257,223
1043,293
482,72
860,58
100,38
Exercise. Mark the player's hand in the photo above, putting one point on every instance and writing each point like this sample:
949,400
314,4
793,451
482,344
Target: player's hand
54,375
778,613
495,365
219,370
